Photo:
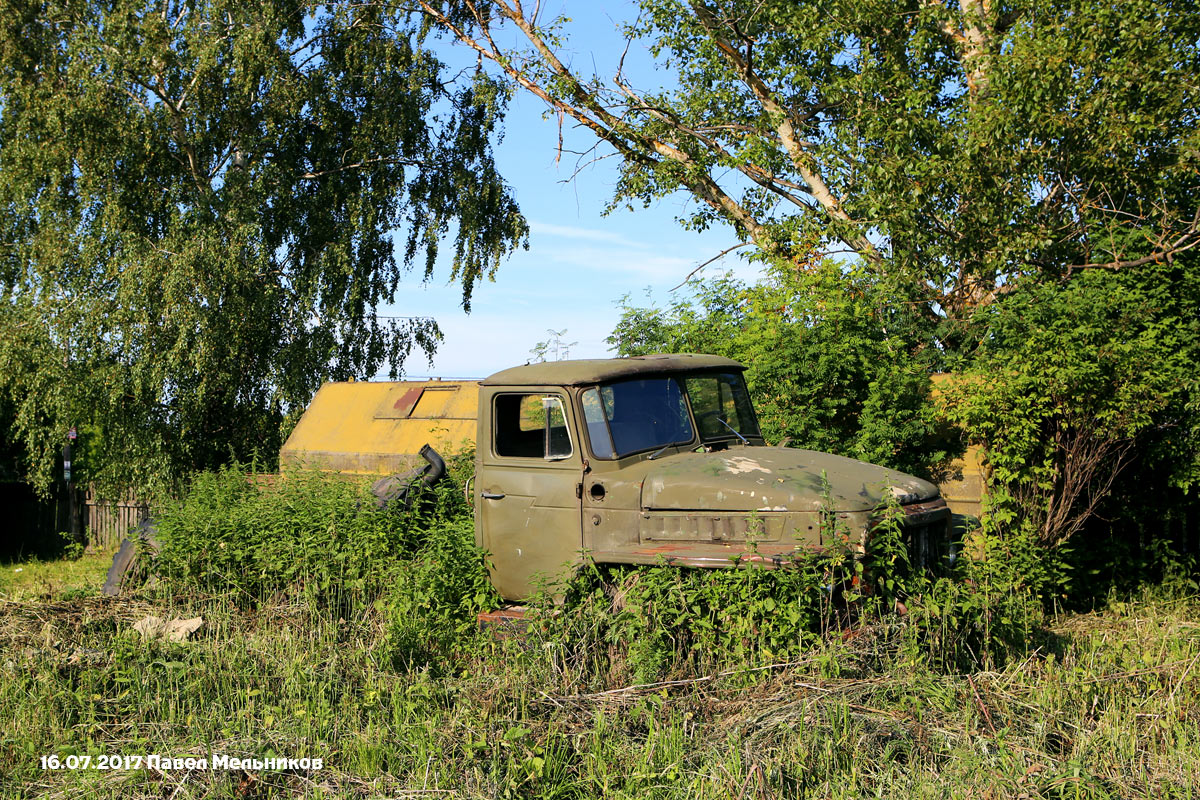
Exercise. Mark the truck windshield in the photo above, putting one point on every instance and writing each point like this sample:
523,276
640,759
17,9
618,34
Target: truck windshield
721,406
630,416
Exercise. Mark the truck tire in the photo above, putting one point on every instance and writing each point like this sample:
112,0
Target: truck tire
125,563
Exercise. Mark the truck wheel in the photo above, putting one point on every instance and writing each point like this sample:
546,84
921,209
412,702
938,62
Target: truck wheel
125,563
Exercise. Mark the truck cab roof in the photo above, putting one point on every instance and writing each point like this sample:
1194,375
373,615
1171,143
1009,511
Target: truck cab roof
596,370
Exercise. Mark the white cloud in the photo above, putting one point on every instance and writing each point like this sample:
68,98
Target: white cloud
539,228
606,252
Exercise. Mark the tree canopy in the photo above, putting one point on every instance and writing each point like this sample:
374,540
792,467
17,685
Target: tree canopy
958,146
199,199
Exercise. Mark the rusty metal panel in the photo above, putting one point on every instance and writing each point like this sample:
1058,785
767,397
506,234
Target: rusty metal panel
706,554
379,427
401,407
735,527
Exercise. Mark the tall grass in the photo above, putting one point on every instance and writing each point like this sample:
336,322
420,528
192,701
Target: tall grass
651,683
1112,709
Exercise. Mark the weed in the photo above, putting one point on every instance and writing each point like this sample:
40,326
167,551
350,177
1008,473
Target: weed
806,681
1112,711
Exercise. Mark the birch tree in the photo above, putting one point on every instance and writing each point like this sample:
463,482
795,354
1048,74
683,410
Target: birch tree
956,147
205,205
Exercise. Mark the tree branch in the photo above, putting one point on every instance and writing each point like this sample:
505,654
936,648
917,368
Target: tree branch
1186,241
718,256
360,164
785,129
751,171
636,147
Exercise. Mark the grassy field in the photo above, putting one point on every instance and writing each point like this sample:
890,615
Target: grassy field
29,580
1105,704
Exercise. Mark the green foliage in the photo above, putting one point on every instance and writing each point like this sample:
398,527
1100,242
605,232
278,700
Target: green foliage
836,360
257,535
322,538
989,609
655,623
980,601
623,625
435,596
952,146
199,205
1108,711
1085,392
914,701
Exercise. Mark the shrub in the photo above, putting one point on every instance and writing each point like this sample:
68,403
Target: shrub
258,535
649,623
1083,393
436,595
985,604
617,625
322,537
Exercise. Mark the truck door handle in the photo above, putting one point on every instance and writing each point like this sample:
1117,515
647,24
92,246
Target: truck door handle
493,495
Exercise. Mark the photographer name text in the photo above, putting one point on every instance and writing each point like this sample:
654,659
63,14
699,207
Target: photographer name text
162,763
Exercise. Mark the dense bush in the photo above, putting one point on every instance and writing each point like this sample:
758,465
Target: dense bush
257,535
1086,397
321,538
432,604
613,625
627,624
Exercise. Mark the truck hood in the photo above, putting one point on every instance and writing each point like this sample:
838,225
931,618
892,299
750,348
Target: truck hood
773,479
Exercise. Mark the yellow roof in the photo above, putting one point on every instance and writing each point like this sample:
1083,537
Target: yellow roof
379,427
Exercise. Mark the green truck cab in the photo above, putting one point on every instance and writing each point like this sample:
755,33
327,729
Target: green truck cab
659,459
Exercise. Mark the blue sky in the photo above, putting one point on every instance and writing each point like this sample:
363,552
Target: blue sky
579,263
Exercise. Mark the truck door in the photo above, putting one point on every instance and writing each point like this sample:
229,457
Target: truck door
527,506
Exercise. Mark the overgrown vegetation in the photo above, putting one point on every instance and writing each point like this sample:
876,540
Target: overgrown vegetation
323,542
1018,189
658,683
1084,396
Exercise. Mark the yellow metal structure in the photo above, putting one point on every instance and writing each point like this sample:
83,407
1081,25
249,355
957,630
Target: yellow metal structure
964,487
379,427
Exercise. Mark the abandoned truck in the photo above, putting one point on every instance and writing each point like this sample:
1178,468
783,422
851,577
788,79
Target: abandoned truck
627,460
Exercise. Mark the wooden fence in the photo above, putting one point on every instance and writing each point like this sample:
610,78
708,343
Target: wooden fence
108,521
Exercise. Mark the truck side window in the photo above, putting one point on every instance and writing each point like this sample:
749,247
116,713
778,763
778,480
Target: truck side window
597,427
531,426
